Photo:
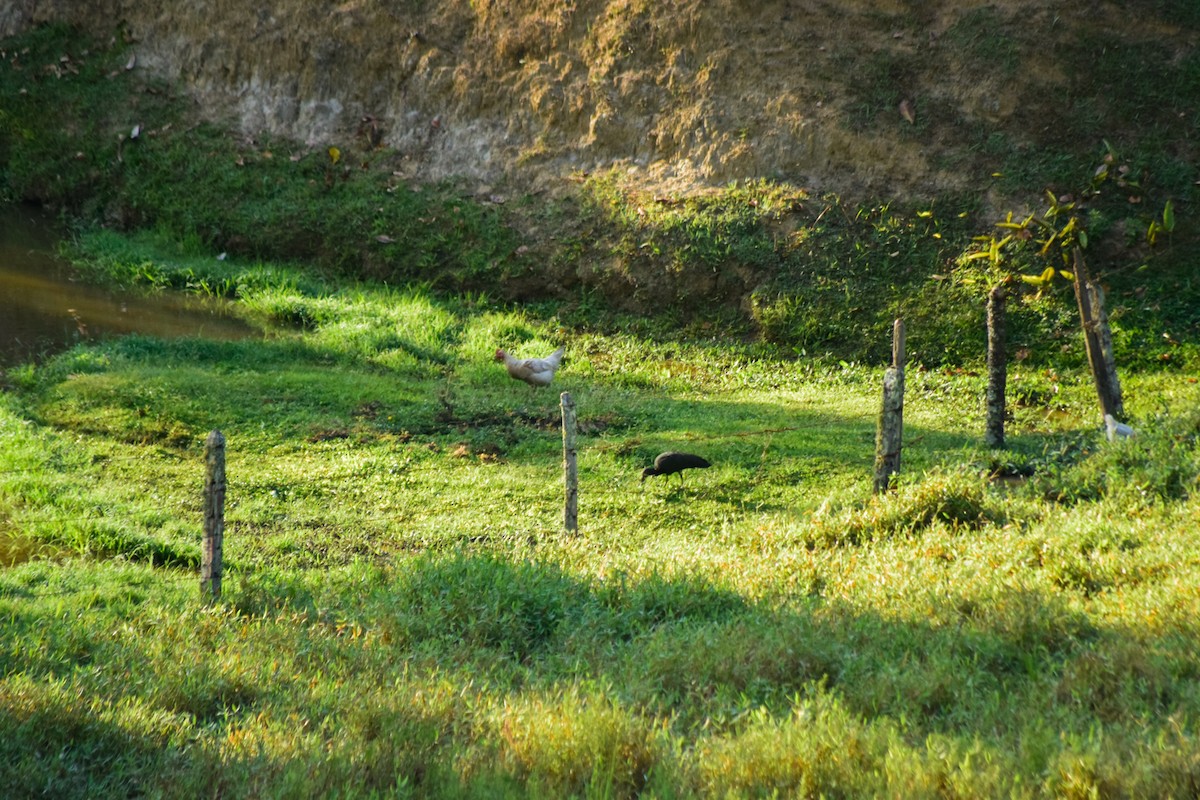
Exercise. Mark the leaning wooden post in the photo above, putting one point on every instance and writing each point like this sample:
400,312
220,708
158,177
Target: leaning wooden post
891,418
214,517
1098,339
997,366
570,468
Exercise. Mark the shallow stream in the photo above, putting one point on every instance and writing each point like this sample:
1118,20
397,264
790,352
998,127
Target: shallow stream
45,306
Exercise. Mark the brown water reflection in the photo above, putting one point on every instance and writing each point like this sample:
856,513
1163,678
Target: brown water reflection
15,549
45,308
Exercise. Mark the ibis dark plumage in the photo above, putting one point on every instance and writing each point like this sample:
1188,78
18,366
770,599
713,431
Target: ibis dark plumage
673,463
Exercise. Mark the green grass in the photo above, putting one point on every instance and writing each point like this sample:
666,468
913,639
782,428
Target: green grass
403,616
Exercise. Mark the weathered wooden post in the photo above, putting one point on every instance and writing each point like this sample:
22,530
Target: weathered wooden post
891,418
1098,339
997,366
214,517
570,468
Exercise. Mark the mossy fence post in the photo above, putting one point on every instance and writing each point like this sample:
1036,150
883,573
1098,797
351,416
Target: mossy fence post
570,466
214,517
891,418
1098,339
997,367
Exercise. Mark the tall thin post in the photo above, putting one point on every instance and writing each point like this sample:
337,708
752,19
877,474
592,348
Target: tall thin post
214,517
997,366
891,417
1098,339
570,467
898,344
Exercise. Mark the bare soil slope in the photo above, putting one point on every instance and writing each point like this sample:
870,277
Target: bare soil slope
857,96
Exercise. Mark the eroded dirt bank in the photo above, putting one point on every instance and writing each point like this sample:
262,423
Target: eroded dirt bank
876,97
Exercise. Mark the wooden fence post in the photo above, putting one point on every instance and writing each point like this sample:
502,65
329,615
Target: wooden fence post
898,344
214,517
891,418
570,468
997,367
1098,339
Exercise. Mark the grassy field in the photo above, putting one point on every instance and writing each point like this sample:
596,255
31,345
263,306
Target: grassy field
403,615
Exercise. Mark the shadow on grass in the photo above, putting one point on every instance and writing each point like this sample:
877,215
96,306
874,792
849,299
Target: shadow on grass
172,392
411,432
443,633
693,650
683,649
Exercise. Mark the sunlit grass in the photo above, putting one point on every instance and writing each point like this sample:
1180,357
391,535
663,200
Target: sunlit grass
404,616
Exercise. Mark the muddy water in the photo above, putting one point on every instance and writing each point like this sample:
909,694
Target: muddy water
45,308
16,549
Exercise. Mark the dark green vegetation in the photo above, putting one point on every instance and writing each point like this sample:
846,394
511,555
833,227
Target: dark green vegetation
402,615
750,260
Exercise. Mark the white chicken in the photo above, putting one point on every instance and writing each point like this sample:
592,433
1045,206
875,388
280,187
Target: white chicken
534,371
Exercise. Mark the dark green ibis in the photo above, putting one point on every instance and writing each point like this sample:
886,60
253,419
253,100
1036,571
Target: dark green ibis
673,463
